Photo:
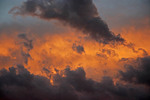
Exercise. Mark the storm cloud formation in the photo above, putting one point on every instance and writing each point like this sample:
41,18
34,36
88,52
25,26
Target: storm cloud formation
139,74
19,84
80,14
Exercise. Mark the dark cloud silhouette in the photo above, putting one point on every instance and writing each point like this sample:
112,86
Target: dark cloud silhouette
80,14
78,48
145,53
19,53
138,74
19,84
132,46
27,43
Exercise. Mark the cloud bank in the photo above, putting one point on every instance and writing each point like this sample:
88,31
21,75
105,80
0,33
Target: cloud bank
139,74
19,84
79,14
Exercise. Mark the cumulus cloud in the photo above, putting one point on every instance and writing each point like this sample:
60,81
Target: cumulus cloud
80,14
19,84
139,74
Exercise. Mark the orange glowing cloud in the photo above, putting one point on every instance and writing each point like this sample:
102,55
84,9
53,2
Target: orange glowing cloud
55,51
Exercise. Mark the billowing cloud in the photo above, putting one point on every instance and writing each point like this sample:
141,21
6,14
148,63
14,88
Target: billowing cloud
80,14
19,84
139,74
43,57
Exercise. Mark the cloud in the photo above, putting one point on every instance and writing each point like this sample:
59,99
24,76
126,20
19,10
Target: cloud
14,49
78,48
5,60
109,52
102,55
139,74
80,14
132,47
26,47
19,84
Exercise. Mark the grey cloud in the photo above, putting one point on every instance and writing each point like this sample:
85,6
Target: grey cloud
139,74
80,14
27,43
132,46
19,84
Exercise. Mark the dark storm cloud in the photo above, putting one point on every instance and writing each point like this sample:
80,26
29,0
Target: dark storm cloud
19,84
78,48
80,14
139,74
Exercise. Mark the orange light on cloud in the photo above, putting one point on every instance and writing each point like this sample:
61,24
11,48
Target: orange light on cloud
55,51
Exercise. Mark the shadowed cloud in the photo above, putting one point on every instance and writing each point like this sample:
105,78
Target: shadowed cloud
19,84
139,74
80,14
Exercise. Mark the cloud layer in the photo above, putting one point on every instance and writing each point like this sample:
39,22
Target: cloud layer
139,74
80,14
19,84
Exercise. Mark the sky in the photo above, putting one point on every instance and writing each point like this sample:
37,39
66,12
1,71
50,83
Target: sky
74,49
